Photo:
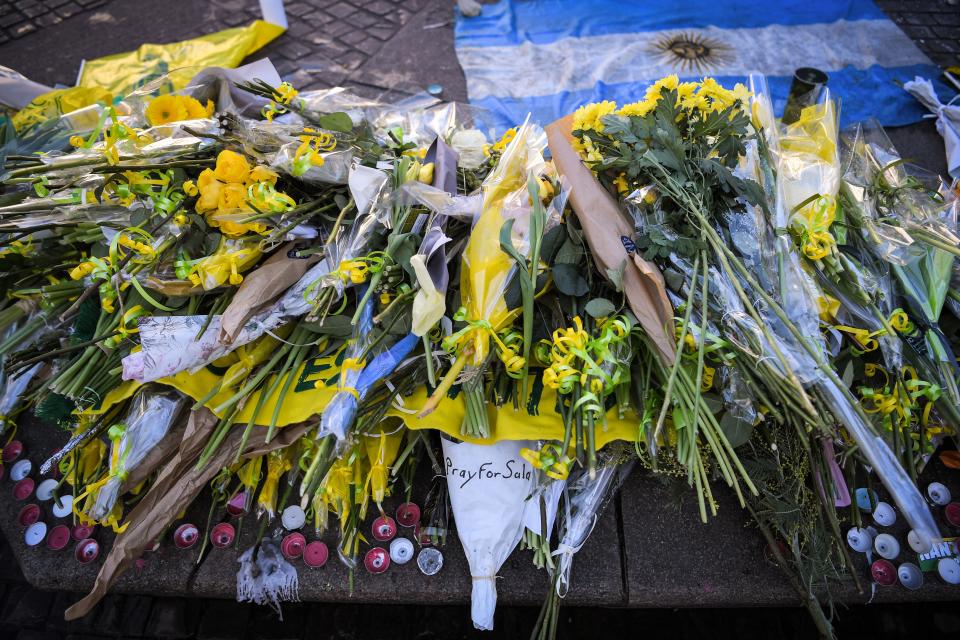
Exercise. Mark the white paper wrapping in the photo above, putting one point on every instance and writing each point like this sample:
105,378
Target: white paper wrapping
489,486
948,120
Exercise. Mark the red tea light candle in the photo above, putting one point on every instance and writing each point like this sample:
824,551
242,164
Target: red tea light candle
951,513
59,537
82,531
377,560
222,535
28,515
884,573
292,545
408,514
384,528
12,451
315,554
185,536
23,489
86,551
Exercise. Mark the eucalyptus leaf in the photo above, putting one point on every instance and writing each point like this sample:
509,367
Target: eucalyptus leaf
336,326
600,308
552,241
337,121
736,429
569,281
616,276
568,253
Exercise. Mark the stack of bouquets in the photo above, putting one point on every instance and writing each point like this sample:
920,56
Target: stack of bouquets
282,295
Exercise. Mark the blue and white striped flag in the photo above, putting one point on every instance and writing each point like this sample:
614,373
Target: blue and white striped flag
547,57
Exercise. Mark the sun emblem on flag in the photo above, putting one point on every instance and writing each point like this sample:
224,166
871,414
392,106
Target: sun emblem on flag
691,51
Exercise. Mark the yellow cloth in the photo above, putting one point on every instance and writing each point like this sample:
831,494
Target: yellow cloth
180,61
54,104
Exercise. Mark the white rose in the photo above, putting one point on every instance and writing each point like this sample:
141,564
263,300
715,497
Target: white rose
469,144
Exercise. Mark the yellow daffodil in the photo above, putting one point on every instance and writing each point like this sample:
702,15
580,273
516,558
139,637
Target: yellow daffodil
166,109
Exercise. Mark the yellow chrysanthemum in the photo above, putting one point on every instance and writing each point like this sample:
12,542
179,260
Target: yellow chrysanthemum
670,82
620,182
587,117
639,108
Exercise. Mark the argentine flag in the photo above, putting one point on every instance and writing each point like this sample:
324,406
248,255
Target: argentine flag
548,57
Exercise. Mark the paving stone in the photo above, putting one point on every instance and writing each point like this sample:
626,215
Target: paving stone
61,602
223,620
297,9
317,18
136,613
353,37
109,617
168,619
340,10
378,7
10,19
294,50
267,625
69,9
31,634
48,20
27,609
362,20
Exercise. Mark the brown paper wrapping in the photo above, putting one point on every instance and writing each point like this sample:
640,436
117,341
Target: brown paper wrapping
261,287
178,484
604,225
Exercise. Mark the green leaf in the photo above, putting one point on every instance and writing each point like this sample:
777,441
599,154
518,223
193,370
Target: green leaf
506,244
568,280
405,247
600,308
338,121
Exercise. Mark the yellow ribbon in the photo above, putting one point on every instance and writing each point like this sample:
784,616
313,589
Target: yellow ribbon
124,330
550,460
507,353
813,221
